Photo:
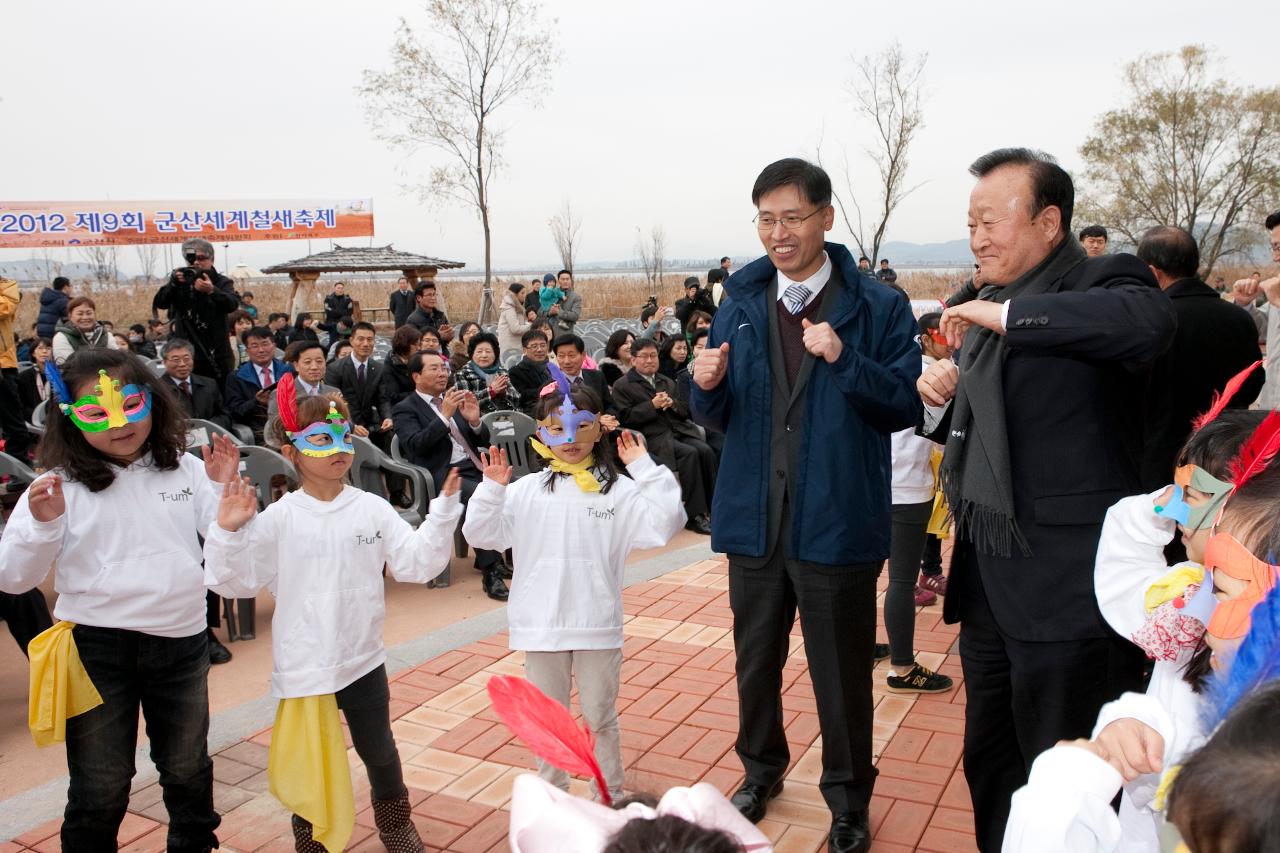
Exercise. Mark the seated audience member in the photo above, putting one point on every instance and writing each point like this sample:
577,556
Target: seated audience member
33,387
427,315
439,429
530,374
307,360
138,342
359,378
341,350
397,382
248,389
714,437
543,327
617,356
239,322
198,394
80,329
304,329
339,332
430,341
697,320
278,323
647,401
672,356
570,352
484,377
458,353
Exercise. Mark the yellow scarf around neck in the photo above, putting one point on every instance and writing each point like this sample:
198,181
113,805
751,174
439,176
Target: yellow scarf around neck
580,471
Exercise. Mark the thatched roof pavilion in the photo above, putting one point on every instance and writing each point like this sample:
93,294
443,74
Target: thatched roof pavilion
305,272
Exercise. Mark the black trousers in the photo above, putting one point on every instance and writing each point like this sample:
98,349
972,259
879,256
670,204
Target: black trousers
471,478
17,441
905,550
27,614
700,465
366,703
1040,693
837,606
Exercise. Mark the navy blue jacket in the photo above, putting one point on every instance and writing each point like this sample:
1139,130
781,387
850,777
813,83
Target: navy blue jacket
241,391
842,486
53,307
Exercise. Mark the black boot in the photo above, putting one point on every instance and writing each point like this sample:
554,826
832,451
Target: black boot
493,584
395,826
218,653
302,840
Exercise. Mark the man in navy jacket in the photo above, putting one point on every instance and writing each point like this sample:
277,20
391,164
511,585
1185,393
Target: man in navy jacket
809,367
248,390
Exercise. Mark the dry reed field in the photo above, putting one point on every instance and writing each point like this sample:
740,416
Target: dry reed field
602,296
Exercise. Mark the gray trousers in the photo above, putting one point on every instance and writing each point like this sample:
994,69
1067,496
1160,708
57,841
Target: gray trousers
598,673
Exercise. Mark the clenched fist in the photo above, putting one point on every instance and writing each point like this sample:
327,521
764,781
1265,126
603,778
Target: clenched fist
937,385
710,366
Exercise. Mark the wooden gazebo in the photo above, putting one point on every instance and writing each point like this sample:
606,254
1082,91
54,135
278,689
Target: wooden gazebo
305,272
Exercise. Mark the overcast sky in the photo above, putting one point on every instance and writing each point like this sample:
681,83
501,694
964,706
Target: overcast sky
659,113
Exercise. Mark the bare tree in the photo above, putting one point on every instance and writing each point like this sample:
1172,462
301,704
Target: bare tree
564,230
1187,150
651,250
447,79
148,259
887,91
102,262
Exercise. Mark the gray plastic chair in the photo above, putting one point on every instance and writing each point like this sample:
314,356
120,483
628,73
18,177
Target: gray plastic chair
511,431
11,466
35,426
510,357
201,432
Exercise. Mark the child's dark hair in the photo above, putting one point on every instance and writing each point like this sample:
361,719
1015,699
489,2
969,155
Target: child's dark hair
1226,797
1211,449
588,401
670,834
64,445
310,410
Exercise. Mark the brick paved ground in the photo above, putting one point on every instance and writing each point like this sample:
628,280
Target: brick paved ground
678,709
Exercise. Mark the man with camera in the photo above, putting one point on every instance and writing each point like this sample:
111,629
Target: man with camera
198,299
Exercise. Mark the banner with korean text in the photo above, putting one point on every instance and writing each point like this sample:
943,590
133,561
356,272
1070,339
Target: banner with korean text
53,224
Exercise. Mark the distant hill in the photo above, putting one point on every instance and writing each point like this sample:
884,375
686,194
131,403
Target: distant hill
950,253
33,271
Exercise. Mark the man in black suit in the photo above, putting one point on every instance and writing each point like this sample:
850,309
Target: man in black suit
359,378
570,350
648,401
198,395
1044,432
440,429
530,374
402,302
1215,341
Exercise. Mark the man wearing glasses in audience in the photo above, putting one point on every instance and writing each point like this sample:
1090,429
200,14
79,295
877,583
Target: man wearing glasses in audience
198,299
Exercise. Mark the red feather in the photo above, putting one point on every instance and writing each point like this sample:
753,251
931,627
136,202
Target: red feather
547,728
287,401
1221,400
1257,452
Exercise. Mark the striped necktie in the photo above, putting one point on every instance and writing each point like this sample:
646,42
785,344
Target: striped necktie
795,297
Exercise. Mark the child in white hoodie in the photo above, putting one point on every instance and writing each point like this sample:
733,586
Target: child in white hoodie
570,529
118,513
321,551
1188,618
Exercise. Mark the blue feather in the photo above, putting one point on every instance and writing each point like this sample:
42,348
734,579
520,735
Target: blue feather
60,392
1256,662
562,381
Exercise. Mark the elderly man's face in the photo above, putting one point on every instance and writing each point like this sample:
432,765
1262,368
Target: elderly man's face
796,252
646,361
427,299
434,376
536,349
1006,240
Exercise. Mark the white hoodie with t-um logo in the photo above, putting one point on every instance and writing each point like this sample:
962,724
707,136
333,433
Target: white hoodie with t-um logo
323,560
127,556
569,548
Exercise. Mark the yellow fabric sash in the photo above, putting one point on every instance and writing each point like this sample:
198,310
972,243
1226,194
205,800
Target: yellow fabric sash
60,687
1171,586
581,471
940,517
307,768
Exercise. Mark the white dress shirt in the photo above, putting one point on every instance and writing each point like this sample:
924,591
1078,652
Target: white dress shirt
815,282
459,453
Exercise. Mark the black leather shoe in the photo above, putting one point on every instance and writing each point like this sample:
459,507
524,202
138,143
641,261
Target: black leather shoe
850,833
493,585
752,800
503,570
700,524
218,653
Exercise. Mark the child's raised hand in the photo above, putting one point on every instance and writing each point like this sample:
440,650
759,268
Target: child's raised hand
496,467
1132,747
239,504
452,483
221,459
44,497
630,446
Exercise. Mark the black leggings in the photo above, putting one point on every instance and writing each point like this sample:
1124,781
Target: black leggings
366,703
905,550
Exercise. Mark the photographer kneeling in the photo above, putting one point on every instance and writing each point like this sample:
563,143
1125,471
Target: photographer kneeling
198,299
